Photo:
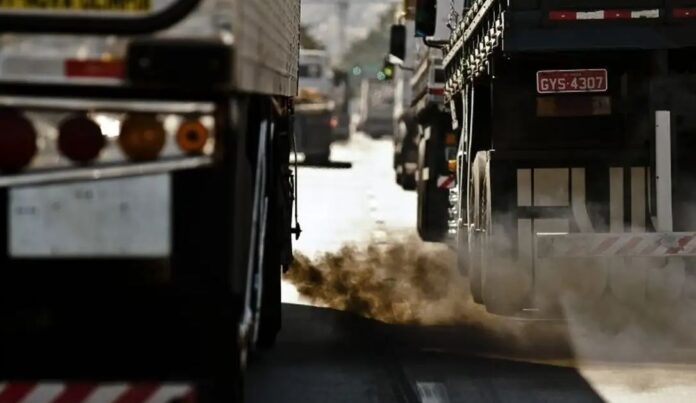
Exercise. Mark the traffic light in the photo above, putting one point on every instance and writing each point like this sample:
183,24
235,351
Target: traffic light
387,72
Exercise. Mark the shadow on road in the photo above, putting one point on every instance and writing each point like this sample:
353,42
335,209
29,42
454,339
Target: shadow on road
329,164
324,355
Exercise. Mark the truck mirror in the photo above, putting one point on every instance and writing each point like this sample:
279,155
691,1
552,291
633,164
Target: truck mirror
426,13
397,41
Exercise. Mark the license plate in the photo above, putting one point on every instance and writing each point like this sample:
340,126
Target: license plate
563,81
76,5
114,218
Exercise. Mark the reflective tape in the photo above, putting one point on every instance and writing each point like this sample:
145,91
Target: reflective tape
572,15
56,392
665,244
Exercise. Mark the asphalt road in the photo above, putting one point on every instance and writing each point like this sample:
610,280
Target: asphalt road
326,355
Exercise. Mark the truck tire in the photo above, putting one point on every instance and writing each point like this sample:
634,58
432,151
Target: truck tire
271,307
409,156
500,275
433,203
406,151
475,244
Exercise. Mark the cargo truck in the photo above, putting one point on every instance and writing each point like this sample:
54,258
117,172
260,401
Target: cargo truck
424,139
574,170
315,106
145,195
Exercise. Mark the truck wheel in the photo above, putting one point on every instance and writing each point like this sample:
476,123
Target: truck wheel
475,244
433,202
270,314
408,179
502,285
269,318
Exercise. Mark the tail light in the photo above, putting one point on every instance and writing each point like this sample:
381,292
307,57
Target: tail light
142,137
80,139
17,141
192,137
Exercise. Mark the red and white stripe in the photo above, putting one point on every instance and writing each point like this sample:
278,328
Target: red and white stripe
27,392
443,182
572,15
616,245
684,12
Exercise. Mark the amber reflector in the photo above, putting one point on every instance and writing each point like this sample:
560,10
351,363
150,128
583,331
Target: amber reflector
17,141
142,137
191,137
80,139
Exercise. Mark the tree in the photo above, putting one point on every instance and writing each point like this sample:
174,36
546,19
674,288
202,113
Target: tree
307,40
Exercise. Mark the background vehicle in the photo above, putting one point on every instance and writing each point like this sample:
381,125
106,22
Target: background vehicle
405,127
568,118
427,142
315,120
342,96
145,195
376,107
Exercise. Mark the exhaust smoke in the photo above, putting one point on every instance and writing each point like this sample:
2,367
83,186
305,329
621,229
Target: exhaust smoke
414,283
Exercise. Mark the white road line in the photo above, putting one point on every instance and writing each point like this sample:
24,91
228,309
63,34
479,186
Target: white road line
432,392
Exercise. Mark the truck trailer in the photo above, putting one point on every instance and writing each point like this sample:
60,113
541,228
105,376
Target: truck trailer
573,170
145,195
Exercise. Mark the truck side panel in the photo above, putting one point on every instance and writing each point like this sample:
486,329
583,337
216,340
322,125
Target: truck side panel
267,46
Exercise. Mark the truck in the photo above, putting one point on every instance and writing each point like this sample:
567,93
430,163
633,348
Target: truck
145,195
315,106
424,139
405,128
376,107
573,170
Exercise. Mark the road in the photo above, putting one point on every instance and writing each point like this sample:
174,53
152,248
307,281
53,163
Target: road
464,354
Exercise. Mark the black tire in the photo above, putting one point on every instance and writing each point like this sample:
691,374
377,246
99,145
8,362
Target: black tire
408,181
270,317
433,203
409,155
271,307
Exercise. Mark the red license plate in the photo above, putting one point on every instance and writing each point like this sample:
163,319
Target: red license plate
560,81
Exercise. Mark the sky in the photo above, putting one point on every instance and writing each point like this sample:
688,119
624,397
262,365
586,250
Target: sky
322,19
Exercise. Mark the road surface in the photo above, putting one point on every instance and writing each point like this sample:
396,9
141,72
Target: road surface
325,355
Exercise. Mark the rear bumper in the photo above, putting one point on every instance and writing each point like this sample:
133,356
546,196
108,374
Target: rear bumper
608,245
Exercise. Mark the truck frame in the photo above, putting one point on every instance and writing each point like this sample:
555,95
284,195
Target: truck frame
145,195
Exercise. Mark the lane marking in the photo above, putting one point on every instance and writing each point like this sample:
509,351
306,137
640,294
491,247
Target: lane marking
432,392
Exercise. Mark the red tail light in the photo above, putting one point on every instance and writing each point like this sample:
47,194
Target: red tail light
17,141
80,139
684,12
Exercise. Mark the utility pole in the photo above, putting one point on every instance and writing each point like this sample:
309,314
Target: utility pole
342,27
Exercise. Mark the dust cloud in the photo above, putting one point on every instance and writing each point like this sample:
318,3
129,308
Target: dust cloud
409,282
413,283
406,282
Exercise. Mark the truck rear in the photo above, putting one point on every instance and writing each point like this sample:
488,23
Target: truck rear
315,106
145,195
573,170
